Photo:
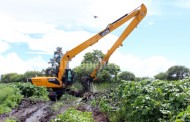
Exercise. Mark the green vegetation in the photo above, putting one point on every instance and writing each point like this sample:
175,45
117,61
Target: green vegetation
128,76
174,73
68,98
56,106
89,63
73,115
10,120
151,101
65,100
93,57
32,91
83,70
161,76
105,86
14,77
177,73
10,97
121,95
12,94
184,116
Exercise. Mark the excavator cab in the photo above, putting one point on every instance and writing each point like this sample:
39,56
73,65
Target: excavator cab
68,78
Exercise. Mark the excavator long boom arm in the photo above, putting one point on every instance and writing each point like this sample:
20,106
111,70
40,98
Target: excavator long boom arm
138,15
64,77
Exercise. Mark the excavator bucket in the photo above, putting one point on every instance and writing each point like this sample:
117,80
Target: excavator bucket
86,82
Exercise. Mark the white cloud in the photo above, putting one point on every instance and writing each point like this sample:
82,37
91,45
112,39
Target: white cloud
72,13
34,27
13,63
140,66
31,17
53,38
44,16
149,66
3,46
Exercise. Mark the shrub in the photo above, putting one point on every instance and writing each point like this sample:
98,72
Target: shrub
32,91
152,100
10,97
184,116
73,115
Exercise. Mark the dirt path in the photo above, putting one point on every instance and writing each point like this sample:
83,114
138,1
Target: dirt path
34,111
41,111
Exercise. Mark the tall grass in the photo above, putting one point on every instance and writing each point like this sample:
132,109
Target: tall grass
101,87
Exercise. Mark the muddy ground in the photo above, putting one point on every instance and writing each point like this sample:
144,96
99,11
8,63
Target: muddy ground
40,111
30,111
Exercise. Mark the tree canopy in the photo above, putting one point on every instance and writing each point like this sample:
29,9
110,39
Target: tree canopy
161,76
128,76
177,72
14,77
93,57
88,64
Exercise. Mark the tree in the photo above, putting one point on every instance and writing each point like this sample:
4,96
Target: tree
93,57
14,77
113,70
82,70
30,74
85,70
177,72
104,77
137,79
161,76
11,77
128,76
88,64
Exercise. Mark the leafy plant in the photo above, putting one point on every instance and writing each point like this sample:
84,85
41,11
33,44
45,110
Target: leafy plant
184,116
9,97
147,100
152,100
32,91
10,120
73,115
56,106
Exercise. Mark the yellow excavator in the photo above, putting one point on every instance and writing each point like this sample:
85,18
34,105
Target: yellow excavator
58,83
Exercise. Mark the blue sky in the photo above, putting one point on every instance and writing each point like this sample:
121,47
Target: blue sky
31,30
